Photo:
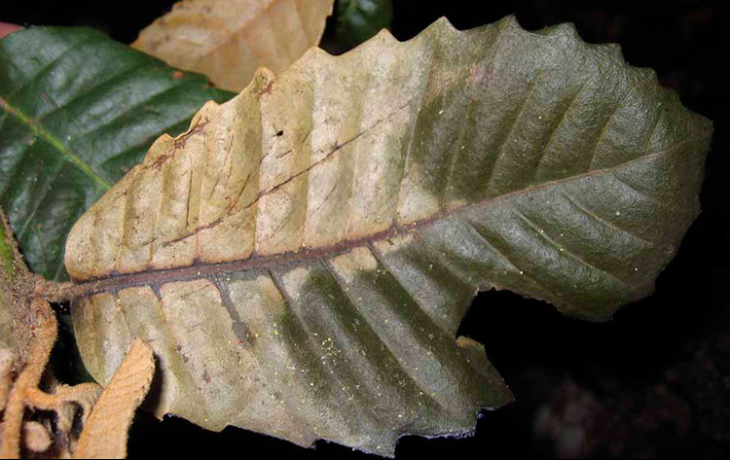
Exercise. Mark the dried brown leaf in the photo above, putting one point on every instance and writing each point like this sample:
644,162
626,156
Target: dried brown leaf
303,256
6,369
44,338
65,401
105,432
227,40
36,437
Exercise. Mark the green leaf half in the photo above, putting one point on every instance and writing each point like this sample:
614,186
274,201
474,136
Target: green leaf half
77,111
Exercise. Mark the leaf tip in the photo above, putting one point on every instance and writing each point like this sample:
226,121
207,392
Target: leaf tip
263,77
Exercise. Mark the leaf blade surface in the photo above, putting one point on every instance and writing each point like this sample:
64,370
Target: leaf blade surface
228,40
349,224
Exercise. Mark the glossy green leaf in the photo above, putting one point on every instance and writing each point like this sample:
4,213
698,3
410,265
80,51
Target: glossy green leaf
360,20
302,257
78,110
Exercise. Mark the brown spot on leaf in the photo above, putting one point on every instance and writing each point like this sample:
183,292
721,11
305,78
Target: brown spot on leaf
162,159
267,89
197,129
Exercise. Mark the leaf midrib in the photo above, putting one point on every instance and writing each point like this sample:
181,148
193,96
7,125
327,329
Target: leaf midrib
115,281
68,154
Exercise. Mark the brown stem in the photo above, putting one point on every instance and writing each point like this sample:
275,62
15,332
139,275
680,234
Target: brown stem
52,291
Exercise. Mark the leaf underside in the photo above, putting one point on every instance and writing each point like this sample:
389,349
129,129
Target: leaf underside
77,113
301,258
227,40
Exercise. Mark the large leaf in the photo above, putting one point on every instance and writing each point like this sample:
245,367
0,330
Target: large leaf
227,40
301,258
77,111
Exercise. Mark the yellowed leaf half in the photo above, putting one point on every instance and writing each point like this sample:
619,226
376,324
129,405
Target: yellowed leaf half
227,40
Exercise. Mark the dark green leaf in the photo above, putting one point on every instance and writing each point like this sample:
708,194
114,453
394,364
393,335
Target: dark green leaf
77,110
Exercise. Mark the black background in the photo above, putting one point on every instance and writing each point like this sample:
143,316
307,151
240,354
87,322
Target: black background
655,381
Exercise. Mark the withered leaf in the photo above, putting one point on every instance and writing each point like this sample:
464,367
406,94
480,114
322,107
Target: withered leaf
36,437
227,40
6,375
301,258
44,332
105,432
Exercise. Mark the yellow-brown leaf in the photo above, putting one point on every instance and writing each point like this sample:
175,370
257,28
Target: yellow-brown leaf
105,434
303,256
227,40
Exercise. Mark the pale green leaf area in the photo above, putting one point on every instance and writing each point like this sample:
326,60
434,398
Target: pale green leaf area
78,110
301,259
